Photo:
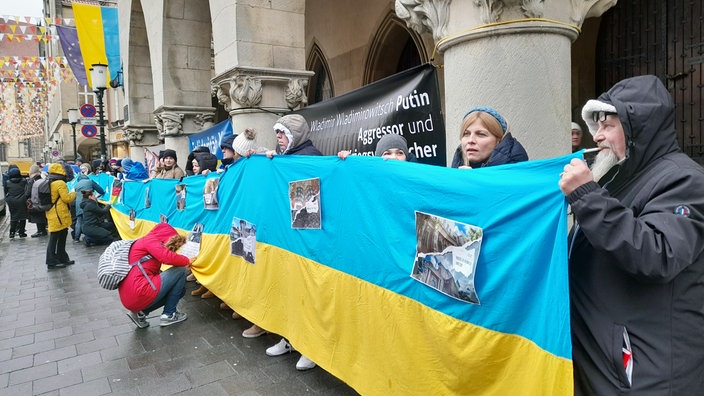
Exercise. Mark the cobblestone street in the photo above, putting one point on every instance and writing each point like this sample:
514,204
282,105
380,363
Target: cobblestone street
61,334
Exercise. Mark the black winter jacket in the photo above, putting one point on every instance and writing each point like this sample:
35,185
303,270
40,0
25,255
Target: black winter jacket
636,267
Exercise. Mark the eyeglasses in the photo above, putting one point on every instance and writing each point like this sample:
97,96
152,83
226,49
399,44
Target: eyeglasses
601,115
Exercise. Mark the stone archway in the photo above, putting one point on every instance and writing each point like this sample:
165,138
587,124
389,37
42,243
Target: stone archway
394,48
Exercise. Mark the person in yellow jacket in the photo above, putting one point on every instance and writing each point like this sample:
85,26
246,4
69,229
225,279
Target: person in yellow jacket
58,218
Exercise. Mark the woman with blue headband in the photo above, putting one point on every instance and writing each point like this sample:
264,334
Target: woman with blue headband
485,141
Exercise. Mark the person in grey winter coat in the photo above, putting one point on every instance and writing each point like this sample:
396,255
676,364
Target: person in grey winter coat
636,252
83,183
35,216
16,197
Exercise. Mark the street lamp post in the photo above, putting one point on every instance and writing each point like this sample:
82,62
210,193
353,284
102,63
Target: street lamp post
73,120
99,79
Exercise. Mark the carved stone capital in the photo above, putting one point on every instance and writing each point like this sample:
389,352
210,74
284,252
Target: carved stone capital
133,135
246,90
295,93
477,17
244,87
583,9
425,15
169,124
222,92
204,120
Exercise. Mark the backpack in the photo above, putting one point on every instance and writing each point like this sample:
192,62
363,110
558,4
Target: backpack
114,265
41,195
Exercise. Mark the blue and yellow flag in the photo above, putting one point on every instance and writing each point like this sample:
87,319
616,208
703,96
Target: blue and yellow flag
345,290
98,36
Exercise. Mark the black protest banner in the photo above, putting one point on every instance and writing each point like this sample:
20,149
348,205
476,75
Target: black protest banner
406,103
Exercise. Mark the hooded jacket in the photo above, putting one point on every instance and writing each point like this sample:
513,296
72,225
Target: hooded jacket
636,267
16,194
85,183
296,129
136,293
59,216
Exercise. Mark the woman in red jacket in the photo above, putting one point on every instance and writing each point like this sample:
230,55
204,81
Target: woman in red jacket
142,295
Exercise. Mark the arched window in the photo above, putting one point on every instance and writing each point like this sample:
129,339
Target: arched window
320,86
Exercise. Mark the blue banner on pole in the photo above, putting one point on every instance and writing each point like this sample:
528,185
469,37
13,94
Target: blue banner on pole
211,137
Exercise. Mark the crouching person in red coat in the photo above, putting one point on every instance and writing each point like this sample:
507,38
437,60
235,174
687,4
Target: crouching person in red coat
143,294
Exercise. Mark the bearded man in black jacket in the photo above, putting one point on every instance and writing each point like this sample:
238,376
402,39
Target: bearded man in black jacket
636,267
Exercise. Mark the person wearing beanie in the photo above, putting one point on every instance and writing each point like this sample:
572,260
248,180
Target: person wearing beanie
36,217
16,198
58,218
576,137
126,164
636,251
228,153
485,140
170,170
245,143
97,165
292,137
391,146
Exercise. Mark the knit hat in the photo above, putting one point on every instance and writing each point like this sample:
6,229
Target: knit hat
170,153
127,164
227,142
391,141
34,169
595,106
13,172
491,111
577,127
245,142
113,161
79,159
85,168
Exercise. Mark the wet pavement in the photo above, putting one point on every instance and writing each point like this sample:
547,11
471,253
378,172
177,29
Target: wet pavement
62,334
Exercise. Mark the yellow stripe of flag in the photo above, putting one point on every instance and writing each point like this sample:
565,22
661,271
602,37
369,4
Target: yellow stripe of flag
89,26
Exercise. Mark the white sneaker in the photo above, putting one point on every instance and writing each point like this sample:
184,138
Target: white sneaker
280,348
304,364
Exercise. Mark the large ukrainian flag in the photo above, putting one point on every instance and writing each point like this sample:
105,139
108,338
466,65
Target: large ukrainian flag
98,36
343,294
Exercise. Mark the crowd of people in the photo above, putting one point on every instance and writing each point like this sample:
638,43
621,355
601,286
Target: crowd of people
636,250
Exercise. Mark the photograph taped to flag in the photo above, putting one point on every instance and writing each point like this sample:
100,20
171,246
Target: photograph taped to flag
447,252
305,203
192,246
243,239
210,194
180,196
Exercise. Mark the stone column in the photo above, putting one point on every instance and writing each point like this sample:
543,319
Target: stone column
259,62
510,55
254,97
